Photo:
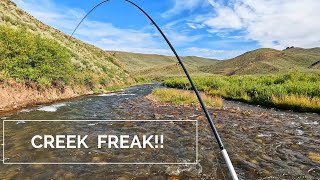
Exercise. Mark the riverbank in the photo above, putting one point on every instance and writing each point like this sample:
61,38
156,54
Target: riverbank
15,96
291,91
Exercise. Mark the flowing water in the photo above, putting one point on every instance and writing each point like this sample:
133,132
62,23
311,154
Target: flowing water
262,143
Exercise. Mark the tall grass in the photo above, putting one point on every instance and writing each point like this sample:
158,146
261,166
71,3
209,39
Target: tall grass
294,90
183,97
31,58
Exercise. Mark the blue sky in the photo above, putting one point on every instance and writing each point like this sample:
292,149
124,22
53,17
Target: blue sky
218,29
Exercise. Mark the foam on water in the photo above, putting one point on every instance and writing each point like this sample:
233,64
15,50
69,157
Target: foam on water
21,122
127,94
52,108
106,95
26,110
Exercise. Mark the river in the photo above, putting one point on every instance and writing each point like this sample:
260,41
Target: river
262,143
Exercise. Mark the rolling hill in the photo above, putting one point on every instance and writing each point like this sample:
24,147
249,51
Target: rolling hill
159,66
260,61
266,61
102,68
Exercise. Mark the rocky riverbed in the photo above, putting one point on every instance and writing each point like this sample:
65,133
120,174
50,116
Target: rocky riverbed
262,143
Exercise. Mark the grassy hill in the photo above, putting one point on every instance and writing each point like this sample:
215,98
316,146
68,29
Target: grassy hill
260,61
265,61
98,69
33,52
159,66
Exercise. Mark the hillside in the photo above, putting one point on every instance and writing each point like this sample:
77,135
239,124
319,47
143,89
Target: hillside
40,64
159,66
265,61
91,66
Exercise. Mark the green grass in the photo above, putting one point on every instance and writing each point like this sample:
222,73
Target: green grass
295,91
184,97
267,61
29,57
33,52
159,67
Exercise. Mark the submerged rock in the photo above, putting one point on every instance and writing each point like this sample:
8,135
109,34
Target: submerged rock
157,116
258,141
314,156
201,118
173,178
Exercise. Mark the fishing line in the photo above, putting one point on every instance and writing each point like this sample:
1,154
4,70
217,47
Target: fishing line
204,108
88,15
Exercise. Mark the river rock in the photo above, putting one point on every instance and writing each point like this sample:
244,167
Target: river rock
246,113
173,178
219,126
244,128
65,174
214,115
201,118
96,159
248,165
258,141
314,157
128,124
157,116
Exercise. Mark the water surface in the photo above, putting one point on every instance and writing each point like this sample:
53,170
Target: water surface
262,143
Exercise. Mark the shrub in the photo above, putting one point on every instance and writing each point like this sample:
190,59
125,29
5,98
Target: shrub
26,56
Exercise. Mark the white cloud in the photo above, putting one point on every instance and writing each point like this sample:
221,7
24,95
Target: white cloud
183,5
212,53
178,34
105,35
272,23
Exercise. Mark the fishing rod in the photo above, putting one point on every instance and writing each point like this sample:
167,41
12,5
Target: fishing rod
195,89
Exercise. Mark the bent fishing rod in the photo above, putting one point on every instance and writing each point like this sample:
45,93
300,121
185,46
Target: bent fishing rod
195,89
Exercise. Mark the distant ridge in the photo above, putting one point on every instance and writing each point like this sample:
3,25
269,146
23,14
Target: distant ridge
259,61
266,60
160,66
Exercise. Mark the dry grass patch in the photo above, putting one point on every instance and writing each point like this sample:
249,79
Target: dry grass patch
184,97
295,102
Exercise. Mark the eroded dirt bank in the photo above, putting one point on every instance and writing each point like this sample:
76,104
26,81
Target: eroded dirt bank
15,96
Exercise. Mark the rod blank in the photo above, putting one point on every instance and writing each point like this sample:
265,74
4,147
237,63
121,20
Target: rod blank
213,128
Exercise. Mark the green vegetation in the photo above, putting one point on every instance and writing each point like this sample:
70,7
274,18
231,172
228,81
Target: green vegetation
148,67
32,52
260,61
184,97
29,57
268,61
295,91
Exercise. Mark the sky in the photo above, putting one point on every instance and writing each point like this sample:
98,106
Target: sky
217,29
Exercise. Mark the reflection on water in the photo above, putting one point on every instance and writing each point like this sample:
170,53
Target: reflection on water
262,143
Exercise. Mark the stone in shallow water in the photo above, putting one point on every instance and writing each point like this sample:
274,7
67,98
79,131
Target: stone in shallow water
96,159
157,116
219,126
314,156
258,141
201,118
173,178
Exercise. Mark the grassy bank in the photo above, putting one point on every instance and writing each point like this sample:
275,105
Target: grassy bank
183,97
33,59
294,91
